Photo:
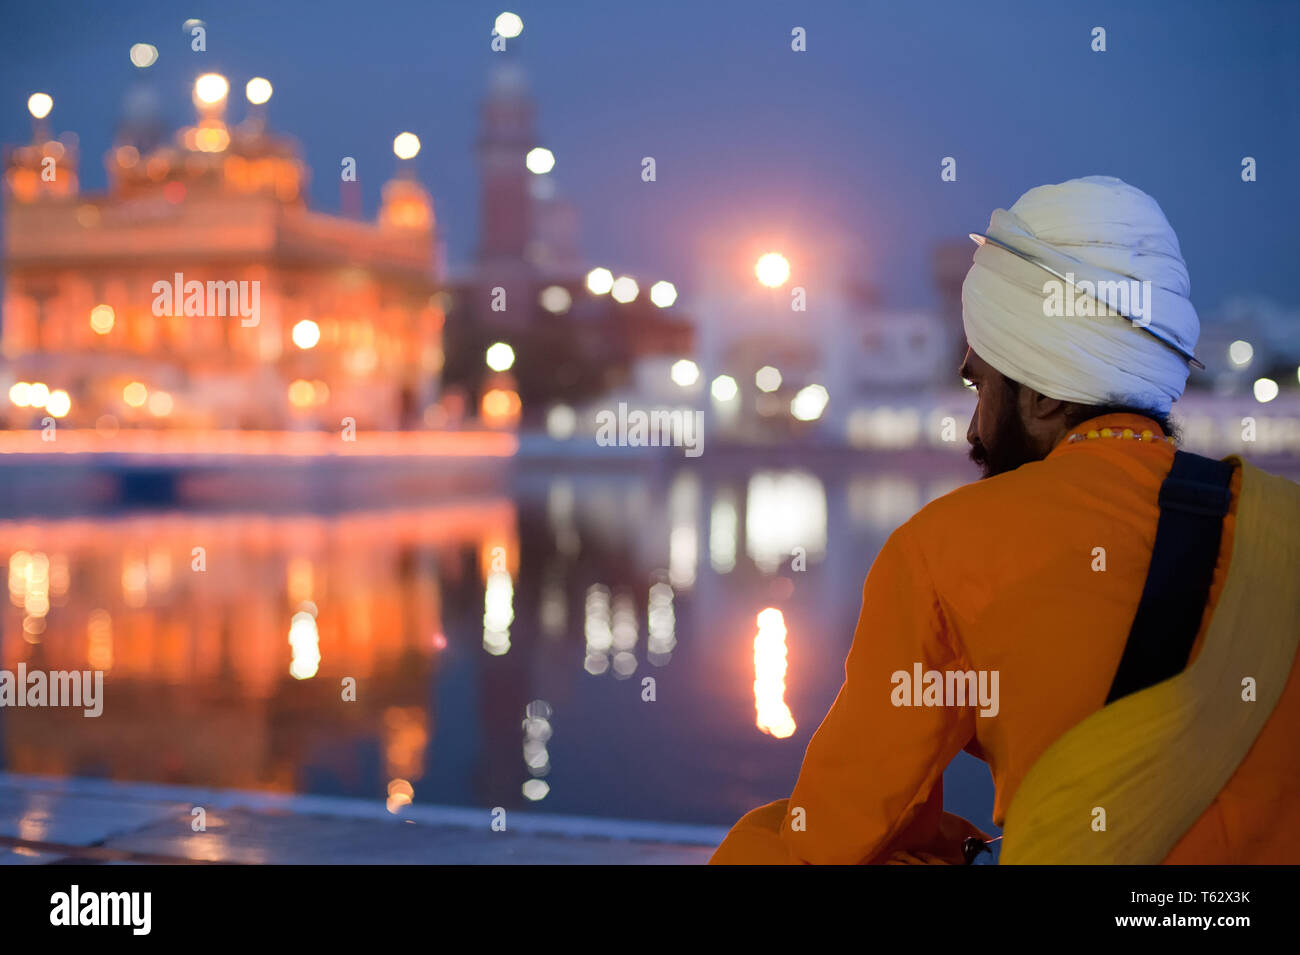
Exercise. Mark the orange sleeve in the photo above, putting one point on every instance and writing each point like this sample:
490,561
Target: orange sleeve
871,785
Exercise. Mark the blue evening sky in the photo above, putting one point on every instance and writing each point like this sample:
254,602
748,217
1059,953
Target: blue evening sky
748,135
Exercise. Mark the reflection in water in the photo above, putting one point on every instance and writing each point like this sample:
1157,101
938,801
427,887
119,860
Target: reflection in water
722,532
537,731
773,716
229,640
498,612
883,501
623,635
32,579
784,510
304,643
208,630
400,793
662,625
99,640
684,524
498,598
600,636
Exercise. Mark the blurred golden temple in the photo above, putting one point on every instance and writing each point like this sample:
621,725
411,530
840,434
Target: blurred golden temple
292,318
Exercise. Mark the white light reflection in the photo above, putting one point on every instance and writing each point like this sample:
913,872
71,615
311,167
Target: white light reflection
784,510
723,525
624,630
498,612
624,636
882,501
684,533
600,635
662,625
560,501
554,611
535,789
537,731
772,716
304,642
884,428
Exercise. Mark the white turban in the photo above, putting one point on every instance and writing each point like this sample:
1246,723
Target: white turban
1099,230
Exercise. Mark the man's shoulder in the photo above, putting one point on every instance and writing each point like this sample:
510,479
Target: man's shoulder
983,503
983,532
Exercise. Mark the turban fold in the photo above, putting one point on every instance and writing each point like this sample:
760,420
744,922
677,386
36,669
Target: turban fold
1108,237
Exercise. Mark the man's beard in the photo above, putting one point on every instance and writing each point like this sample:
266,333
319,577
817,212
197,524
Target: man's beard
1010,447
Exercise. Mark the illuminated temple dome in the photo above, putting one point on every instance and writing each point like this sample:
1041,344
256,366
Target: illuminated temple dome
298,319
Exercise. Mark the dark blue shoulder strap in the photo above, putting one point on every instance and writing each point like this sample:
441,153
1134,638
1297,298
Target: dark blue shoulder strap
1193,501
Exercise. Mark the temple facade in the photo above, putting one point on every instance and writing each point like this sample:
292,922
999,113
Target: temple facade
200,291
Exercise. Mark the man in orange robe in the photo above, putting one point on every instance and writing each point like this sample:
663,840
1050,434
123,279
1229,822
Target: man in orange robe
1034,573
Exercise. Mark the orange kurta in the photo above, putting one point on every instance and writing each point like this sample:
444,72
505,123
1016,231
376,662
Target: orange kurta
999,575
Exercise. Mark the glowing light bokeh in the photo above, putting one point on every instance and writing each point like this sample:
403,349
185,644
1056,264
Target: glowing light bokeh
143,55
724,388
561,422
301,393
663,294
767,378
600,281
1266,390
102,318
500,356
59,403
406,145
500,406
135,394
160,404
536,789
1240,353
540,160
211,88
555,299
20,393
306,334
508,25
684,372
258,90
624,289
772,269
40,104
809,403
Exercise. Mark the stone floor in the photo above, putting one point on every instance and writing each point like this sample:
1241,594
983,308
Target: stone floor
45,820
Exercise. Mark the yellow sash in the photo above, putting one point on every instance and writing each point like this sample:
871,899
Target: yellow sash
1156,759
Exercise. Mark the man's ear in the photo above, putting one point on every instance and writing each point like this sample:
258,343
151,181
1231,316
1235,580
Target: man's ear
1039,406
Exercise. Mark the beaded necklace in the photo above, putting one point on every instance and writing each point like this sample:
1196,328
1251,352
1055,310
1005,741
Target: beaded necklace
1149,436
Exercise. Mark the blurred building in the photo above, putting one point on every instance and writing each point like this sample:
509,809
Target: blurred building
200,291
804,346
950,260
1246,339
528,285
